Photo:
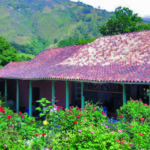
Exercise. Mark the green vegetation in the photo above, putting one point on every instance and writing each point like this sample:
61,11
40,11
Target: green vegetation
72,41
122,22
76,128
7,52
35,47
32,26
24,56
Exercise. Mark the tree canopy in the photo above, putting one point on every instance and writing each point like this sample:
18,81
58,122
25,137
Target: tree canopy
7,52
123,21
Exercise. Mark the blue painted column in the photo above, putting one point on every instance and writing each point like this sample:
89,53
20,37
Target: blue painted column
30,98
149,94
17,96
82,97
67,94
124,94
5,92
53,92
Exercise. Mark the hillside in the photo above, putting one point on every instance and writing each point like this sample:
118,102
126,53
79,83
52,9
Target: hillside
33,25
146,19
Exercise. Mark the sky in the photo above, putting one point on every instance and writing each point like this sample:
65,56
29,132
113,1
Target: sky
141,7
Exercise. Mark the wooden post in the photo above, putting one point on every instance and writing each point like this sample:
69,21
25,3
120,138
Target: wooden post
124,94
30,98
53,92
67,94
17,96
82,97
5,92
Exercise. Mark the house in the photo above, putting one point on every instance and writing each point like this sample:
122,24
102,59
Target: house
110,69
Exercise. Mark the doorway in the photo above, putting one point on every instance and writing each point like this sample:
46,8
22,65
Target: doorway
35,97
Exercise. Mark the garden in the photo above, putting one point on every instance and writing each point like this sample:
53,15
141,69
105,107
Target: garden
74,128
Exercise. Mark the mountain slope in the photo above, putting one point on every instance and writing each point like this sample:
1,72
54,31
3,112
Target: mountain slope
36,24
146,19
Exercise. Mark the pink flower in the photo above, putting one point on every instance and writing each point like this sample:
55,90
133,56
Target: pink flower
77,108
2,110
140,100
80,131
57,109
141,134
142,119
60,107
106,126
118,141
65,137
5,145
121,116
75,122
103,113
112,131
120,131
20,112
129,144
9,116
78,116
92,132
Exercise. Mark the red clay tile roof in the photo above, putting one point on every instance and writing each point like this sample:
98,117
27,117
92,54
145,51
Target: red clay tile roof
124,57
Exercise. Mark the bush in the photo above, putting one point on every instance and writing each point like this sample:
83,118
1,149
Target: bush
76,128
134,110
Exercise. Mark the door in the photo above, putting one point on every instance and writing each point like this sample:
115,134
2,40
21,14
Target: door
35,96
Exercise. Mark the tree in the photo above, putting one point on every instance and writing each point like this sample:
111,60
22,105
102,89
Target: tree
85,41
123,21
7,52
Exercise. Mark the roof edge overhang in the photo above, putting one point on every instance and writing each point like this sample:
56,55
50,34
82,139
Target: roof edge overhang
76,80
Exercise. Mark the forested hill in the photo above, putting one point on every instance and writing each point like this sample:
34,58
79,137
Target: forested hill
33,25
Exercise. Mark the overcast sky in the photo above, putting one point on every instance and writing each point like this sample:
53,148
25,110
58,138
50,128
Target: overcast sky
142,7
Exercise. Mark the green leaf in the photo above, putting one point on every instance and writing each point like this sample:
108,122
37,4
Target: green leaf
38,108
41,114
48,101
39,101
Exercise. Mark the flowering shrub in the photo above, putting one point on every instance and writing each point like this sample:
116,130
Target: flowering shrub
134,110
76,128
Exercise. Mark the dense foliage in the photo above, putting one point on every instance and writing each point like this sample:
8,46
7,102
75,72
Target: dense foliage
71,41
123,21
76,128
7,52
37,24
